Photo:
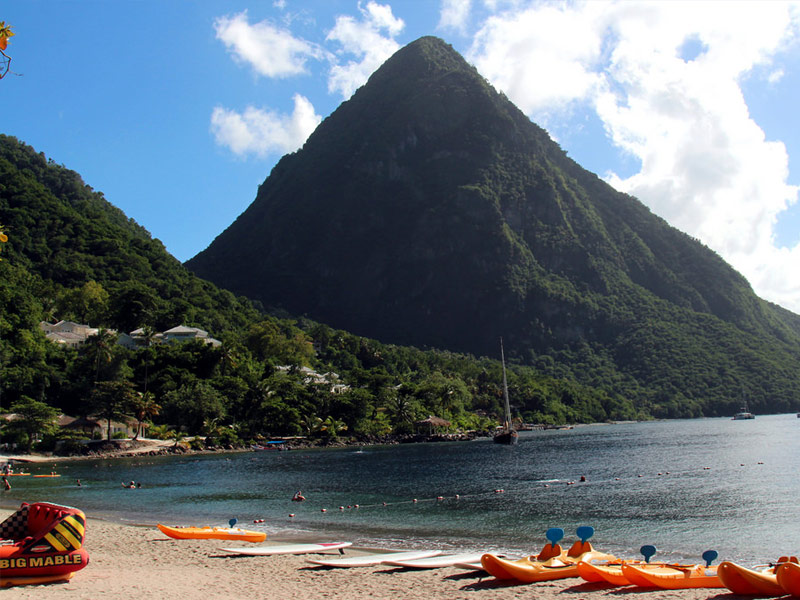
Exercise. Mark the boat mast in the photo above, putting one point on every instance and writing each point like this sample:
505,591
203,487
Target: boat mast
507,422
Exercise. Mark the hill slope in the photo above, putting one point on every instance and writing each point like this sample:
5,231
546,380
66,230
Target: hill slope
428,210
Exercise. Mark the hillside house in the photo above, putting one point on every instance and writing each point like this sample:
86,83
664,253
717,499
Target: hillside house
310,376
67,333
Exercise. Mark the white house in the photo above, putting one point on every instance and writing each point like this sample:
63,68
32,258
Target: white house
67,333
181,333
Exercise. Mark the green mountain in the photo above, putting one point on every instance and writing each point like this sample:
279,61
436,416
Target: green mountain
72,255
428,210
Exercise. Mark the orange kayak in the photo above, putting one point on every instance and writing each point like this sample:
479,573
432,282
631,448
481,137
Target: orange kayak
531,570
743,580
607,572
673,577
212,533
788,576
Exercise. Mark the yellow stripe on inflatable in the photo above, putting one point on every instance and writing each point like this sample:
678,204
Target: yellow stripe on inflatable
54,542
76,523
76,543
77,528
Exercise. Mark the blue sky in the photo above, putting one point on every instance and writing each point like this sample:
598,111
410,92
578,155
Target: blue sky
177,110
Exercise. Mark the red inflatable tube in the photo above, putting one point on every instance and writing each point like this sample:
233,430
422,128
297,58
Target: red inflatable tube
42,539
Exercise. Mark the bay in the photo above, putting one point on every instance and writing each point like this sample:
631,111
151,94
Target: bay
684,486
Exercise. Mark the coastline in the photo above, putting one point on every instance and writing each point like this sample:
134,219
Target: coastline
135,560
144,446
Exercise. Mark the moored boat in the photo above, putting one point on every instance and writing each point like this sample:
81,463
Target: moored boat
507,435
212,533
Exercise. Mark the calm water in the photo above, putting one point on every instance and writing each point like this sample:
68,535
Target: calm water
684,486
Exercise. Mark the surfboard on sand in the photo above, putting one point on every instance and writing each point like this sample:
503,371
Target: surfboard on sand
368,560
289,549
436,562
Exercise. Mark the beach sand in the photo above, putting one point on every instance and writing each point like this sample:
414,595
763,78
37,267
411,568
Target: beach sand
140,562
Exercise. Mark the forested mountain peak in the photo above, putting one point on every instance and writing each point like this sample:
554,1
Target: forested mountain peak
428,210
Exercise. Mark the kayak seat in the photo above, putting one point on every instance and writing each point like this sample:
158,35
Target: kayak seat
549,551
579,548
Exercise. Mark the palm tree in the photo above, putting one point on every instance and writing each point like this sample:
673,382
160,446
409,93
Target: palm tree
145,407
100,348
148,335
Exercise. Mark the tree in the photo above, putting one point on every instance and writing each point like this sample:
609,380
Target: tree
88,303
113,401
34,419
145,407
100,348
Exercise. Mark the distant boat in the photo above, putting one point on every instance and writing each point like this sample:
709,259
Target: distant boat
507,435
744,413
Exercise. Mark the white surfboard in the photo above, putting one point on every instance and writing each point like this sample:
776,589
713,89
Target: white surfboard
368,560
436,562
289,549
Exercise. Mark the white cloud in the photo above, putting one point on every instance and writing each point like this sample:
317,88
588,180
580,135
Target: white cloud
269,50
706,166
454,14
365,39
262,132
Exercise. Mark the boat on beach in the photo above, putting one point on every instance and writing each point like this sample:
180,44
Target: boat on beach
212,533
551,563
757,581
675,576
507,435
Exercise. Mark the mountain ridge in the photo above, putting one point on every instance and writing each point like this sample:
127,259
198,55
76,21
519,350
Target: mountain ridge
428,210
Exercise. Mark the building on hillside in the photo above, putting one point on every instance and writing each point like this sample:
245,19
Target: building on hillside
181,333
75,334
67,333
310,376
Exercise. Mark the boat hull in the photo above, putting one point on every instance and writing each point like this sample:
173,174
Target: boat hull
788,577
742,580
676,577
526,570
508,437
212,533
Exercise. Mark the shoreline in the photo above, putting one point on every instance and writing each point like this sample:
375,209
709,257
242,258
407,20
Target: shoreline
136,560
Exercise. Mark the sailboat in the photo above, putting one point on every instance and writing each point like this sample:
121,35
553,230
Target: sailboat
744,412
507,435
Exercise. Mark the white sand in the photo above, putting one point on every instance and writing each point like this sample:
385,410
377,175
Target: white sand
140,562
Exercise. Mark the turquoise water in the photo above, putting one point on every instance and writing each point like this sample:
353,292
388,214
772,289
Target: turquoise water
684,486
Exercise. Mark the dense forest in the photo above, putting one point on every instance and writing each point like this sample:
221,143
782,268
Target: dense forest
71,255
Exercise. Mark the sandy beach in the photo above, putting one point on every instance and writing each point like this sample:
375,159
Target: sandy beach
128,561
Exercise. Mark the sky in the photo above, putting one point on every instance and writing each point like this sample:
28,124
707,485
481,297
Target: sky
177,110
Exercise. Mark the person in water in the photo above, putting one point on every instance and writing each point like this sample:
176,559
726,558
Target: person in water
298,496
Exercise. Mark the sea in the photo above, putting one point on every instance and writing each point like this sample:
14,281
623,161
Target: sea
684,486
